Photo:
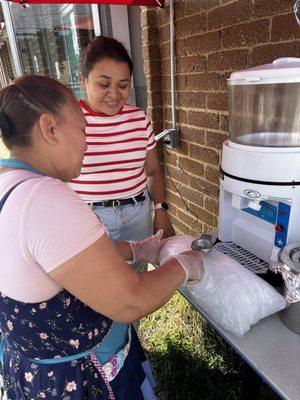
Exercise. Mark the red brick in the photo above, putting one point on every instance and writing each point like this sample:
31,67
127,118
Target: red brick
151,52
164,33
204,186
188,193
212,174
190,26
174,199
180,226
230,14
284,27
148,17
224,122
203,215
204,154
181,82
242,35
179,9
223,80
268,53
191,166
177,175
192,99
215,139
181,116
165,50
165,67
188,218
197,6
152,67
212,205
204,43
149,35
263,8
154,98
163,14
203,119
206,81
180,48
217,101
153,83
192,134
190,64
227,60
184,146
170,157
167,98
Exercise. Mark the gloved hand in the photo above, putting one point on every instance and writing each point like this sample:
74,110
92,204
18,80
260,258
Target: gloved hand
192,263
147,249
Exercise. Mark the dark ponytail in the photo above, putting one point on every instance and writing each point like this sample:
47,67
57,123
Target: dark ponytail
24,101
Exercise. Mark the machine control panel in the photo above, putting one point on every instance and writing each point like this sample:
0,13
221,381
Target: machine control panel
278,215
281,227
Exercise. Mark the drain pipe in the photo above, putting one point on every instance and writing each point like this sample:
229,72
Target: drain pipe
170,137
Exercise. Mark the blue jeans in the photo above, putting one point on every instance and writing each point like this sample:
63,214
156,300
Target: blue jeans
128,222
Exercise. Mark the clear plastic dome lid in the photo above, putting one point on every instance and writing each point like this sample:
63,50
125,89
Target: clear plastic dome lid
264,104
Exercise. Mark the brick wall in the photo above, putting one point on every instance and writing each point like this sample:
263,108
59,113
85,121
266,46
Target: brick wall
213,38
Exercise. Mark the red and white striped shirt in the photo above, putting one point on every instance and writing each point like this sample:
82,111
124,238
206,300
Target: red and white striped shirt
113,165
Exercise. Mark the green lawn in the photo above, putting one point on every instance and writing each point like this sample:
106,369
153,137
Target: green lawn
190,361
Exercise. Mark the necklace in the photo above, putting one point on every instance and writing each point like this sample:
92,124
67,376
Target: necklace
12,163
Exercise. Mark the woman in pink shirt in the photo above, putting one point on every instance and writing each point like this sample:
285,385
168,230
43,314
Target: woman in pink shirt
121,174
67,295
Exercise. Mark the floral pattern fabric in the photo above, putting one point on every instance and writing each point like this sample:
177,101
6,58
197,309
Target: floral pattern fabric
62,327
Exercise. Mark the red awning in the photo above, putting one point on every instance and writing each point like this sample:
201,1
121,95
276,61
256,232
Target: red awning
149,3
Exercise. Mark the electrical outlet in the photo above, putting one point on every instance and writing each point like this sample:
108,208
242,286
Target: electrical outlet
170,138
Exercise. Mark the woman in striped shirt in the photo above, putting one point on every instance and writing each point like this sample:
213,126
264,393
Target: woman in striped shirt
121,172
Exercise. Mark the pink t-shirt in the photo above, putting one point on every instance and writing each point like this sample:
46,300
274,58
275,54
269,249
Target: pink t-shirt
42,225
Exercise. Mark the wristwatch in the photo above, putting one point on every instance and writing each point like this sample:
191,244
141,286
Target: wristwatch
161,206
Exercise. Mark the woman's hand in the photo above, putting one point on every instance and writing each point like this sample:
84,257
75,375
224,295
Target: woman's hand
147,249
192,263
162,221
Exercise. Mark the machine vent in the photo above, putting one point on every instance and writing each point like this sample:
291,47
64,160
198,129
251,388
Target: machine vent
242,256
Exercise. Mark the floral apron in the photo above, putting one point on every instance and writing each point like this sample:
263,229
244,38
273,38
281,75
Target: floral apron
51,350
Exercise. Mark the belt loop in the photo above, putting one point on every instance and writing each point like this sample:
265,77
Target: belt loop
116,203
134,200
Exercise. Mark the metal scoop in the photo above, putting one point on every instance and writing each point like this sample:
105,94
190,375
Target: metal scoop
203,243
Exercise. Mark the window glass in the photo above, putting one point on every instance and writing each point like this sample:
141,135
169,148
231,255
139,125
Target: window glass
50,37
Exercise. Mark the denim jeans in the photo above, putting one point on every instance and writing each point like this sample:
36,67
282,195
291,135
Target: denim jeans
128,222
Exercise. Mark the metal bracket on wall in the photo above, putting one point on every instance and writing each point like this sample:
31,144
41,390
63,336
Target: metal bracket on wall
170,138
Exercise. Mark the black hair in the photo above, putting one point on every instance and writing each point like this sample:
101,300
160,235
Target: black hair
24,101
100,48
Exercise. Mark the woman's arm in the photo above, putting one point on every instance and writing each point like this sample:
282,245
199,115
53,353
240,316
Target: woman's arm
157,190
101,278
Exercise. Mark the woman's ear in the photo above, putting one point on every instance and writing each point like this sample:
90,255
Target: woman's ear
83,82
48,127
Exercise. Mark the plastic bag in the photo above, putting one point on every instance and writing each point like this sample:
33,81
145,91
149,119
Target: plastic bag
234,297
175,245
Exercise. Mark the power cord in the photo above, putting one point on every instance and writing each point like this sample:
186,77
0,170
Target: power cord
191,212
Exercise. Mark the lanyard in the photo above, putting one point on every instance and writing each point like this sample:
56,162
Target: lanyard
12,163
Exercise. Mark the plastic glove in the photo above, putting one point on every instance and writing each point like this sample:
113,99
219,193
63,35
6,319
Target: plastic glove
147,249
175,245
192,263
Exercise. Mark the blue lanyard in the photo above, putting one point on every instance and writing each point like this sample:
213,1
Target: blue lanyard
12,163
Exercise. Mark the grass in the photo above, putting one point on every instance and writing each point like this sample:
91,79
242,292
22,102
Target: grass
189,360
